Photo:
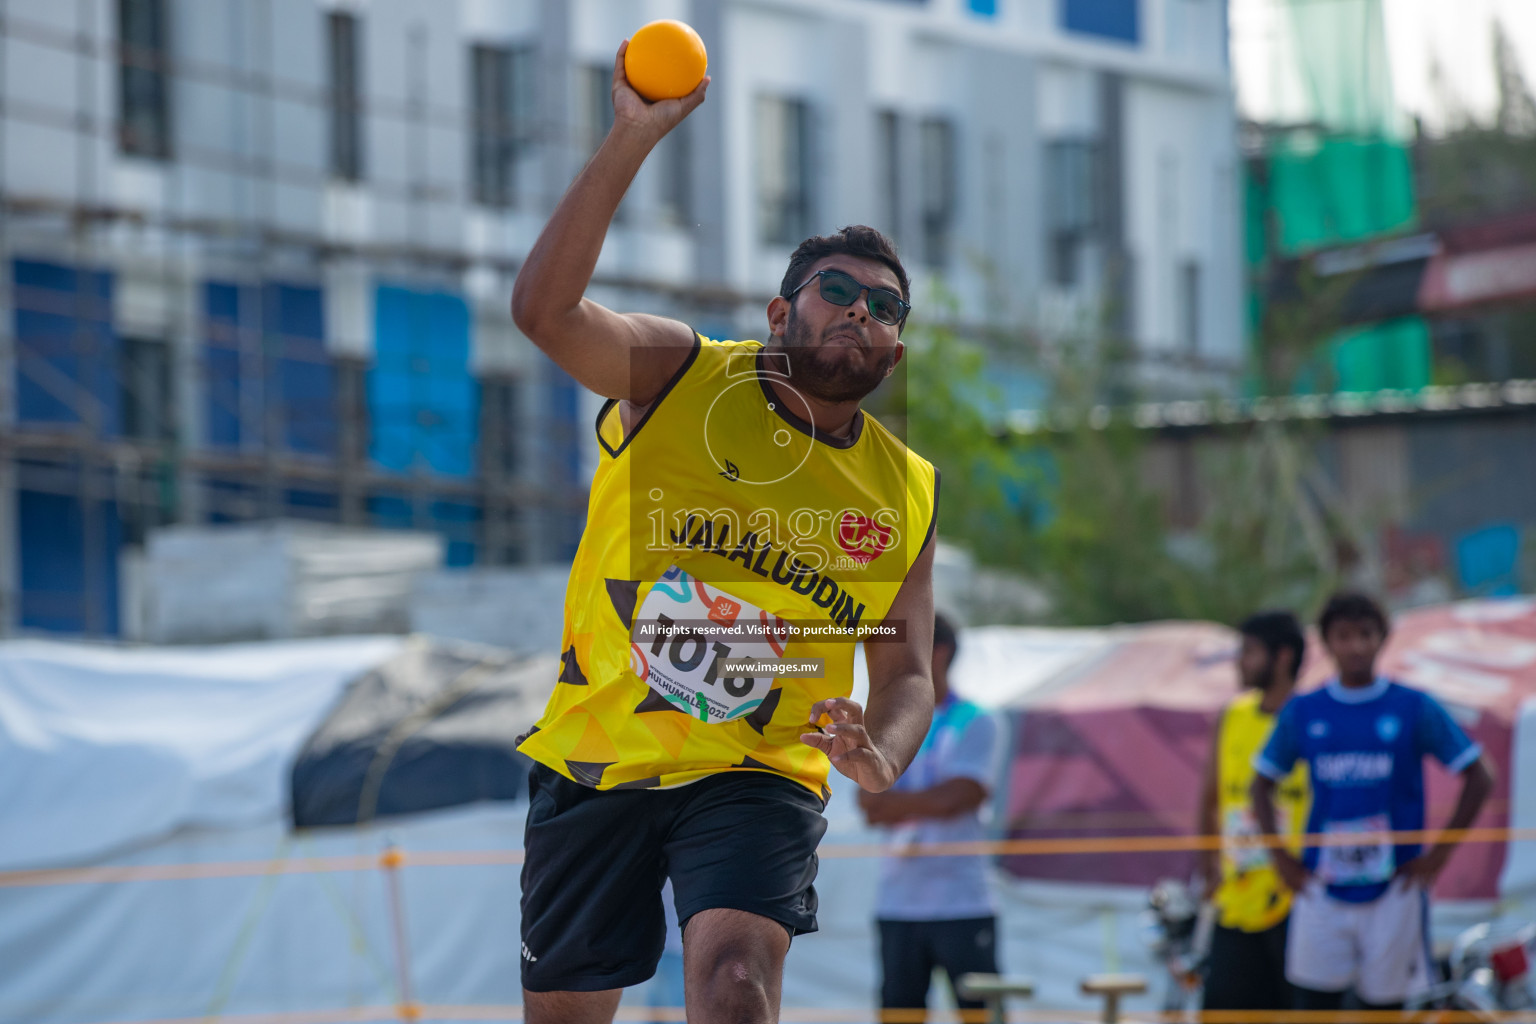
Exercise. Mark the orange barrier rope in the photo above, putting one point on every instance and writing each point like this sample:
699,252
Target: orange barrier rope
351,1015
484,858
176,872
1161,844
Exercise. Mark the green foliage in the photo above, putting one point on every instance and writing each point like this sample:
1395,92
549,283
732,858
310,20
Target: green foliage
985,485
1069,505
1102,554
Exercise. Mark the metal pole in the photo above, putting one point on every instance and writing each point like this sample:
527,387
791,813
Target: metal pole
994,990
1111,987
390,861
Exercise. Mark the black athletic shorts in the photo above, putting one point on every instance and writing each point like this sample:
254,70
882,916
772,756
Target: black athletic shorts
595,862
1246,970
910,950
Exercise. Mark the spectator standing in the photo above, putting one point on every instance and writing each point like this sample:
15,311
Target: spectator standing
1246,969
1358,919
937,911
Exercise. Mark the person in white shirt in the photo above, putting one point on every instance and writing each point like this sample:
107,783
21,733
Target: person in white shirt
937,911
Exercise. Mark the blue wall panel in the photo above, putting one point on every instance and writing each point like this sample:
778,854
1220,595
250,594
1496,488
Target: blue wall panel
61,591
1111,19
457,520
459,523
423,401
301,373
563,428
565,435
66,350
223,378
1488,561
391,511
286,334
321,506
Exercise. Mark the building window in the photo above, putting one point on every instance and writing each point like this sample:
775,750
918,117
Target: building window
500,427
888,141
936,139
784,170
1189,306
596,97
1110,19
149,409
144,102
1070,205
674,161
346,112
501,88
1064,249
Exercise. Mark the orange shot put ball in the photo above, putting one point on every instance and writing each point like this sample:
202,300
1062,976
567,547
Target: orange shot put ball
665,60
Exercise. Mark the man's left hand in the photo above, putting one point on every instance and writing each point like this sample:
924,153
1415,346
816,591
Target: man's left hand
1425,868
847,744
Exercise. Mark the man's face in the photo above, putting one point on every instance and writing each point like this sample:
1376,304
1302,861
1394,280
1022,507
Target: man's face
1354,644
1255,665
837,353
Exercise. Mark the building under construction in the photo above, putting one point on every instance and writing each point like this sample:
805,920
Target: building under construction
258,253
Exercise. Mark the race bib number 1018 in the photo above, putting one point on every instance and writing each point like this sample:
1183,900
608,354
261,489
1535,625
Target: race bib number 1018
684,633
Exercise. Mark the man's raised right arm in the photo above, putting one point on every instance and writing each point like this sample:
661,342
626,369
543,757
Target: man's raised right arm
595,345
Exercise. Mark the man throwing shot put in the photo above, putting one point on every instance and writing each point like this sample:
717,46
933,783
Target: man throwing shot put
747,523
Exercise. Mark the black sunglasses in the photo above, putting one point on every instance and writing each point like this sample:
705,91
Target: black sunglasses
840,289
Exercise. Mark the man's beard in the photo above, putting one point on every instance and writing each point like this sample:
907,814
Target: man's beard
1262,682
825,374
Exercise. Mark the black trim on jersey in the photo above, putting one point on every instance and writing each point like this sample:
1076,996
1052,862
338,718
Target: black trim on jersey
933,522
665,390
799,424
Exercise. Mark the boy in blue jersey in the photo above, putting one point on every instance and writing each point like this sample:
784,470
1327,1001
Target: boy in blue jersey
1361,909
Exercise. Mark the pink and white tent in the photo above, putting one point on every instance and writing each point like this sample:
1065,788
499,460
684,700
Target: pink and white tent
1111,727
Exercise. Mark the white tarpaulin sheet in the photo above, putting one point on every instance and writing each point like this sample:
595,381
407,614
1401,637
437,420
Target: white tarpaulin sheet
153,757
103,749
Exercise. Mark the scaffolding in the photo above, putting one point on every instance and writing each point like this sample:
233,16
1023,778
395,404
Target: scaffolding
242,401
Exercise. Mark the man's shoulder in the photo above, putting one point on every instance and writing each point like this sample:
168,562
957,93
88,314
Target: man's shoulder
739,356
1309,706
1400,691
1313,700
1246,701
884,437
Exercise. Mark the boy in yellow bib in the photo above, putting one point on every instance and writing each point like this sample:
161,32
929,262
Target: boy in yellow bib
1246,970
747,524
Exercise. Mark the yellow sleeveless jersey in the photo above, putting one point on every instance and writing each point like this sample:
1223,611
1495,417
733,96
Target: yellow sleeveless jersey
1251,896
723,528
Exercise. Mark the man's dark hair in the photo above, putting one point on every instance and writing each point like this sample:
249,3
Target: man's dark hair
1277,631
853,240
944,636
1352,606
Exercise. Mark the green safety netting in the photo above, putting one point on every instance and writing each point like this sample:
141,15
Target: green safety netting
1339,51
1343,175
1393,354
1338,189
